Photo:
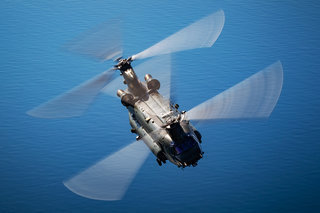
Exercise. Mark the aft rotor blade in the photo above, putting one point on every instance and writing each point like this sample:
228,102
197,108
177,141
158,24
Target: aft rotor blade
109,178
202,33
102,42
75,101
254,97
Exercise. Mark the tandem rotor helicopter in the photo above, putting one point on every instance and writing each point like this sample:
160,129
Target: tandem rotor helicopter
156,121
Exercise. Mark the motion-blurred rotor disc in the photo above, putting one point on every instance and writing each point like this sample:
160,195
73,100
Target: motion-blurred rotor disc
255,97
202,33
102,42
109,178
75,101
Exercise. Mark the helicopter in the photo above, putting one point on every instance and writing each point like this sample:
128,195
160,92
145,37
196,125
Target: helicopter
165,130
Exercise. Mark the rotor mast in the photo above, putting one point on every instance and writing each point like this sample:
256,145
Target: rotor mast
135,87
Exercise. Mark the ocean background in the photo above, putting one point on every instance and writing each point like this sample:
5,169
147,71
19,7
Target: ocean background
271,165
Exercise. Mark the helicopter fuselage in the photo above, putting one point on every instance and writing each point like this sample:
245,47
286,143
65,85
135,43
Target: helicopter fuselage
161,126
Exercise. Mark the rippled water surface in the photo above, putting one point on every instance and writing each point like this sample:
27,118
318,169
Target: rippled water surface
249,166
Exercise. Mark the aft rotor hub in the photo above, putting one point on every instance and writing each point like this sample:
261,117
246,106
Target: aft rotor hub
123,64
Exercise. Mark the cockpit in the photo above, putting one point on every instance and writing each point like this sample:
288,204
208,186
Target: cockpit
185,146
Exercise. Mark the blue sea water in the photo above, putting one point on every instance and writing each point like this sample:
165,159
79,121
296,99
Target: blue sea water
249,166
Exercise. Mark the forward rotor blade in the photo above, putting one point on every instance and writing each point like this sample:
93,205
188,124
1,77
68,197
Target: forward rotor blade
254,97
202,33
158,67
75,101
102,42
109,178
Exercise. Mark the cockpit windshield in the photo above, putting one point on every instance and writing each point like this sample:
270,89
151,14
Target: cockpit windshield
188,143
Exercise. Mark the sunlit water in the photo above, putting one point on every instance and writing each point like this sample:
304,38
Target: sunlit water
249,166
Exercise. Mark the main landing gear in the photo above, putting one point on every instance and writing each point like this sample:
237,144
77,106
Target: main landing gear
160,161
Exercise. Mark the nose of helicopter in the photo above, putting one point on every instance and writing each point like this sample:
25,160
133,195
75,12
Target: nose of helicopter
190,156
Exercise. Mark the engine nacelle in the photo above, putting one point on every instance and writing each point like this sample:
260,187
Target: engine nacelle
126,98
153,84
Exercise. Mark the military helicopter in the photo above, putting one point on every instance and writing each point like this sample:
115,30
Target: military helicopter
156,120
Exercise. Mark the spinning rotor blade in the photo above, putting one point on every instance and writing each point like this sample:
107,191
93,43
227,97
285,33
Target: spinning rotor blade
109,178
102,43
75,101
202,33
254,97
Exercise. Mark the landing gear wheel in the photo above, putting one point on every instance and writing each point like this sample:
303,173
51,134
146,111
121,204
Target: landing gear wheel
159,162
